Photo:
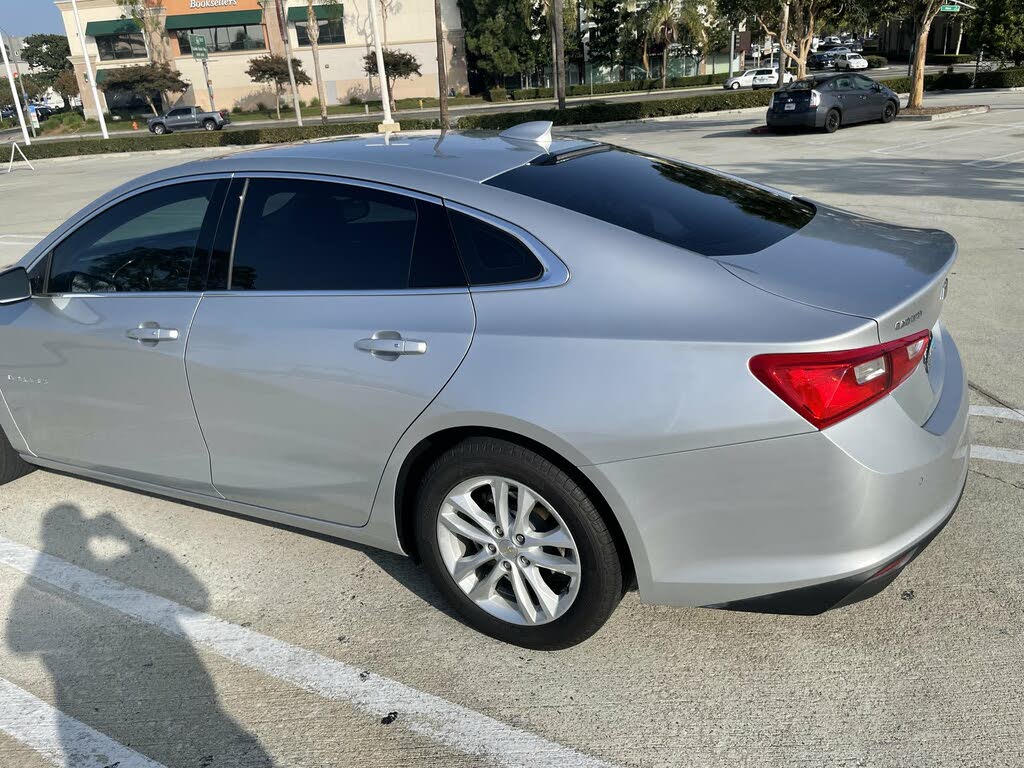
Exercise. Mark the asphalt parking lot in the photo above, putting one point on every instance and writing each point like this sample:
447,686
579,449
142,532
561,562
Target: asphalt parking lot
142,632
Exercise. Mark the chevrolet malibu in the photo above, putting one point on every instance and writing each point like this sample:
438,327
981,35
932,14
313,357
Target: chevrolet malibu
549,369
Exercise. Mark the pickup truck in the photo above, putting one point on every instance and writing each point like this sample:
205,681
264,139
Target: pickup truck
186,118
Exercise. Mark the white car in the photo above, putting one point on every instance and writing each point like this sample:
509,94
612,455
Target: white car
769,78
851,61
746,79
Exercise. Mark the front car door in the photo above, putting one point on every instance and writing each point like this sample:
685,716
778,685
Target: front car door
345,313
94,363
846,98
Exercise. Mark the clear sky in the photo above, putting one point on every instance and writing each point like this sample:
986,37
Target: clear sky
24,17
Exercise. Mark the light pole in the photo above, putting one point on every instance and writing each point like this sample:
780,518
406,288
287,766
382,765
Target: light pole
388,125
14,92
88,71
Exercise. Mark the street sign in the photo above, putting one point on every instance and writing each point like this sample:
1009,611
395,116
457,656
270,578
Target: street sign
949,8
33,116
198,44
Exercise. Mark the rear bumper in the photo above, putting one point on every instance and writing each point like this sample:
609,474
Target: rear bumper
798,523
805,119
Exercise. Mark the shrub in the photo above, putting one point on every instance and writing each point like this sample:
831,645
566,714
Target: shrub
633,110
496,94
314,103
145,142
951,81
534,93
1001,78
303,104
237,109
260,107
876,62
355,100
949,58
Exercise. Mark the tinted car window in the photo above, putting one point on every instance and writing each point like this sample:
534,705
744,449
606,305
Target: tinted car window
844,83
146,243
678,204
492,256
298,235
179,112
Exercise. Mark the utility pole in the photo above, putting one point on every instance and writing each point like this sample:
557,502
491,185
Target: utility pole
14,93
209,84
389,124
783,56
24,96
88,71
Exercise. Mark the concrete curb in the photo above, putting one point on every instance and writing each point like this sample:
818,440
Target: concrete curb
663,119
946,115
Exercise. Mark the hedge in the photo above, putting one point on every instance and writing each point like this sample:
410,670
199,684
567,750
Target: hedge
631,110
519,94
876,62
949,58
1001,78
44,149
946,81
496,94
623,86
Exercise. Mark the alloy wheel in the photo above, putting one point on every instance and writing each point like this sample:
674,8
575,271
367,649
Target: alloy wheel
508,550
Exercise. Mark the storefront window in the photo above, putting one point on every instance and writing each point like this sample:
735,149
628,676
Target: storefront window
248,37
129,45
331,31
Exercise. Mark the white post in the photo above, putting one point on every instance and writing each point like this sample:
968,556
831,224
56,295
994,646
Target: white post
382,77
14,93
88,70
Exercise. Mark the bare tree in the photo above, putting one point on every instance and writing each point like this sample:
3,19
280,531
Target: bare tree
334,11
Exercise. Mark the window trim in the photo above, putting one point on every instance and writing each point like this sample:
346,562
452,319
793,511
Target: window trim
555,272
348,181
104,208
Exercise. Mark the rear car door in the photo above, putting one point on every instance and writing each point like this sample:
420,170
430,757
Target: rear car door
344,312
95,361
846,98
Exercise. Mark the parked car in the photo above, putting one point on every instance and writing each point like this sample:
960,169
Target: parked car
851,61
769,78
188,118
746,78
829,101
545,367
819,61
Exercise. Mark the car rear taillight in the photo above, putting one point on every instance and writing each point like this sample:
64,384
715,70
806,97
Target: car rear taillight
815,98
223,113
827,387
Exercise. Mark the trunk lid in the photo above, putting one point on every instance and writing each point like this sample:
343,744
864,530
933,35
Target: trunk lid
847,263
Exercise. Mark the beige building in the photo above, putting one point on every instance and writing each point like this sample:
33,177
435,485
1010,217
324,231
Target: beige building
237,31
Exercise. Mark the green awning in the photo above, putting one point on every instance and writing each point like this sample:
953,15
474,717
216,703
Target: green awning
116,27
217,19
101,75
323,13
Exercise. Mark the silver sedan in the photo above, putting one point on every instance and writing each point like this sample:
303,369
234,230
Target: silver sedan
549,369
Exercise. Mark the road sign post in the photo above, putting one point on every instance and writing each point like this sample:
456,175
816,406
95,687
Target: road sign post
201,52
949,8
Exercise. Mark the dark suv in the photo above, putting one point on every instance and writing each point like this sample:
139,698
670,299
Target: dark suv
828,101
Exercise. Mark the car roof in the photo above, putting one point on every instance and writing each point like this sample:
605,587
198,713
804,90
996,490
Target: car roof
471,156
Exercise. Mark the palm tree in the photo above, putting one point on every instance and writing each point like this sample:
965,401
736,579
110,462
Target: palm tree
442,73
663,24
334,11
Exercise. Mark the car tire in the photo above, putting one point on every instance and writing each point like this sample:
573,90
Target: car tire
889,111
159,129
735,86
209,125
564,607
832,121
12,466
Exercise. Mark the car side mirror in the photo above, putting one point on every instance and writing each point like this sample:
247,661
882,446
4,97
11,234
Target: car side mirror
14,286
876,87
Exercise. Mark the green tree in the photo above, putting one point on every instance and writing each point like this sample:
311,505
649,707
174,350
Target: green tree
66,84
500,37
998,27
273,69
149,81
149,16
608,18
48,53
398,65
923,12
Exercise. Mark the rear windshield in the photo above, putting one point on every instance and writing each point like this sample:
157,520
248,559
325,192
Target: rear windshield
678,204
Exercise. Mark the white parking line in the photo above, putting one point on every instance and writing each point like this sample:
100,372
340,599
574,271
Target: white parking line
994,412
998,161
59,738
922,144
451,725
991,453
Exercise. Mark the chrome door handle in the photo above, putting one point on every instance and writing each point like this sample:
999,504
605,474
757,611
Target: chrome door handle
388,344
151,333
